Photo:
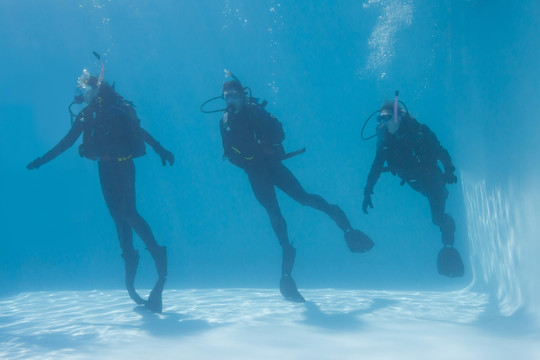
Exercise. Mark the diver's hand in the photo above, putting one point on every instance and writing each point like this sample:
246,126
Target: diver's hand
166,156
35,164
367,201
450,177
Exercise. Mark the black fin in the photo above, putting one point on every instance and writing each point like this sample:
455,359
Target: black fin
449,263
357,241
131,261
288,289
155,302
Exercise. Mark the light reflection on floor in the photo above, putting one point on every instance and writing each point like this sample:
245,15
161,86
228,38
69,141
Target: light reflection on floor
256,324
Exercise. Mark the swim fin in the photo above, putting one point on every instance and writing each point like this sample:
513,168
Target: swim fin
449,262
155,302
288,289
357,241
131,262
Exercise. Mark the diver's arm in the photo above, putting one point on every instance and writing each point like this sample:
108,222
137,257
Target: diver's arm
446,160
375,171
449,169
224,140
166,155
229,151
62,146
149,139
440,152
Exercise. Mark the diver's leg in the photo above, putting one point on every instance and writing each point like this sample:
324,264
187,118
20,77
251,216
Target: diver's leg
433,187
128,205
449,262
356,240
437,195
288,183
110,185
444,221
155,300
141,227
131,263
263,189
159,255
131,258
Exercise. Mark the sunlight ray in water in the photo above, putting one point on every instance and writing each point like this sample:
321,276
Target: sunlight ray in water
496,253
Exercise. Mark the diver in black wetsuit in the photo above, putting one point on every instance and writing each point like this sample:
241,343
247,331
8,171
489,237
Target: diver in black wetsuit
252,141
113,137
411,151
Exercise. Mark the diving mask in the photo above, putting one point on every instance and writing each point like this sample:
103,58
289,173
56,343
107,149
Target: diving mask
384,117
231,96
234,100
387,120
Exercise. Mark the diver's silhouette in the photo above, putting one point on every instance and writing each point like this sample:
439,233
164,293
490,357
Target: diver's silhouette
112,136
411,151
252,141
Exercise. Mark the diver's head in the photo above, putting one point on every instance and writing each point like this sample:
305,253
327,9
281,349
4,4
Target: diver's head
87,88
234,95
386,117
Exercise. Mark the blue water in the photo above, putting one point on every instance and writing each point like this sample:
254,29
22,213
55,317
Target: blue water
467,69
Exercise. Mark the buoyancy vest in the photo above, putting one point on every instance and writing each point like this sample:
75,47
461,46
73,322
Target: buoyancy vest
111,132
414,150
246,136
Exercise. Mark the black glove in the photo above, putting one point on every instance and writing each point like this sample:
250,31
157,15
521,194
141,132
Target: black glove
367,201
35,164
165,156
450,177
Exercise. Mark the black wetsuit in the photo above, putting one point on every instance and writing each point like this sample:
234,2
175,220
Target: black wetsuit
117,178
252,141
118,185
110,138
412,153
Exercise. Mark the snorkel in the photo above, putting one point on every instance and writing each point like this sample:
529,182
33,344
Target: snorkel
102,71
231,75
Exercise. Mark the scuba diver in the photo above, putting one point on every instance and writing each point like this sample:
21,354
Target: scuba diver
252,140
112,136
412,151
